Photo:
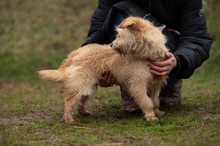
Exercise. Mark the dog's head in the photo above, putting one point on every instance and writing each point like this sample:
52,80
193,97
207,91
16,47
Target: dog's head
139,38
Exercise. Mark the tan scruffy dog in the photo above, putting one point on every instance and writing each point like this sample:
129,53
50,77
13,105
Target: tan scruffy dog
127,58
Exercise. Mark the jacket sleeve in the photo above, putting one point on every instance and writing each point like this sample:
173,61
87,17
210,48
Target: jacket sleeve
97,21
195,41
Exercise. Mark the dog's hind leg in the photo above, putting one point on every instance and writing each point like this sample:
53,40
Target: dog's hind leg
81,107
71,101
78,91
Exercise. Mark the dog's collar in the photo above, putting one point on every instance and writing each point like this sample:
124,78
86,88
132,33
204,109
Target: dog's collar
174,31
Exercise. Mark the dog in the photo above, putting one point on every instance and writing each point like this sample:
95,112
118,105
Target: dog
128,58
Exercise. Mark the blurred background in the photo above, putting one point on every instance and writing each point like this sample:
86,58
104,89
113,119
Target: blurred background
39,34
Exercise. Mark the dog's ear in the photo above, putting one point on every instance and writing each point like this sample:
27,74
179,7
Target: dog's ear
129,24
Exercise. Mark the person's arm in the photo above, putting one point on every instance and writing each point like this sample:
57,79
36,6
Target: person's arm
97,21
193,44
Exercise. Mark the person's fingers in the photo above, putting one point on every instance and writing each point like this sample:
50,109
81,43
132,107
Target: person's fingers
168,54
107,79
167,62
159,75
160,69
102,81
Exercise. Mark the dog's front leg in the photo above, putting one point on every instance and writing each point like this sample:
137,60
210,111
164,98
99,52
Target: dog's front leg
156,101
145,103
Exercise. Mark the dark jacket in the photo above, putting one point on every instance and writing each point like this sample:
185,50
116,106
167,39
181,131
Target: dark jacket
192,47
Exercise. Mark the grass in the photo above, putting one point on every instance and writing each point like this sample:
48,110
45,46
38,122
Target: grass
39,34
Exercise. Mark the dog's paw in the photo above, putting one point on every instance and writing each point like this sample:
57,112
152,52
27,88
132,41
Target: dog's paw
151,118
68,120
159,113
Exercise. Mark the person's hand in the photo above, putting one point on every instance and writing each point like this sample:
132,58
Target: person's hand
160,69
107,79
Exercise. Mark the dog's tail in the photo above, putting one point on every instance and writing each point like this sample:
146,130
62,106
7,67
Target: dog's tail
52,75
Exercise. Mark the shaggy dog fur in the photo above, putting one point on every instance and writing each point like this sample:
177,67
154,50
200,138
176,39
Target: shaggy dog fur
127,58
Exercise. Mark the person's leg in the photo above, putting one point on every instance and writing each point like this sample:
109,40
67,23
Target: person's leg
127,102
171,95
